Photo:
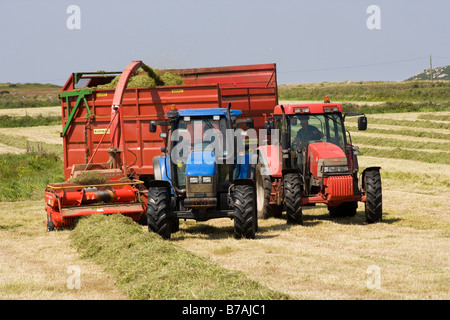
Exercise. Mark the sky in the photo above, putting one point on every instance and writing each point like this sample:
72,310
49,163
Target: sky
310,41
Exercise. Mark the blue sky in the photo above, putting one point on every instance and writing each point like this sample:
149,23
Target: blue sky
310,41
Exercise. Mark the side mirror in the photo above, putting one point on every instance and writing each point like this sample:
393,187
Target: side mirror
362,123
152,127
250,123
268,125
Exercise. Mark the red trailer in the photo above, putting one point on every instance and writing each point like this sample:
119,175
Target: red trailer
250,88
107,130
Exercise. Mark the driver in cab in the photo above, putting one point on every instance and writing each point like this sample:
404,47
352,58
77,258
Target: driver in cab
307,132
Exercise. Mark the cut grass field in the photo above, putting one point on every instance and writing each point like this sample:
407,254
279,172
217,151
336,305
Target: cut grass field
323,259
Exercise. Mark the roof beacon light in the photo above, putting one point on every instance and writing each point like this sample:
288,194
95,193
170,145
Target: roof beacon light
326,99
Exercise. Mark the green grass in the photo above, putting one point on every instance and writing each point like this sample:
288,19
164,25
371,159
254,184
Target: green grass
443,117
34,146
412,91
396,107
411,123
28,121
28,95
398,153
147,267
388,142
25,176
404,132
424,179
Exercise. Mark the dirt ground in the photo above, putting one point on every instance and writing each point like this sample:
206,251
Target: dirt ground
40,265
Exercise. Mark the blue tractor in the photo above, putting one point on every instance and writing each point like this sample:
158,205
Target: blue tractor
202,173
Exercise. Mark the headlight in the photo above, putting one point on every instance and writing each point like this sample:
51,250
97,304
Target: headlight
335,169
206,179
193,179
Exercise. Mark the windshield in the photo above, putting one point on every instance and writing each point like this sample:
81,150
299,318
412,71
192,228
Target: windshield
316,128
196,134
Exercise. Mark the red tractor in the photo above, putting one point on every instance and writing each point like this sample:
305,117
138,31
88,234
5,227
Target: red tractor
314,163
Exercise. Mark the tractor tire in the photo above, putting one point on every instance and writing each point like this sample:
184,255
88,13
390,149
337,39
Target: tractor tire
346,209
263,190
158,211
374,202
245,219
293,198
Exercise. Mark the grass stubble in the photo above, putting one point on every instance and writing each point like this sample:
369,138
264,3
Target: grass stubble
323,259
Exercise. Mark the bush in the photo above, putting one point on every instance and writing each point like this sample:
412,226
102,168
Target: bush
25,176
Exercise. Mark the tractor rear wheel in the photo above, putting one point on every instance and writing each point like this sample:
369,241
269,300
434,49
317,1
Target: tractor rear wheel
263,190
293,198
374,202
158,211
245,220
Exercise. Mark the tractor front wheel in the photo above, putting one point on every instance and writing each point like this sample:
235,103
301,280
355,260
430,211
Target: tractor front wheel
293,198
158,211
374,203
245,220
263,190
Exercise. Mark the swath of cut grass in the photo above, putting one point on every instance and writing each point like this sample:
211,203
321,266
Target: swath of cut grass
147,267
404,132
36,146
398,153
429,116
7,121
387,142
411,123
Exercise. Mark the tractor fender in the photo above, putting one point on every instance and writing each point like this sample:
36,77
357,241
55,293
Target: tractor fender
244,182
269,157
160,170
363,174
159,183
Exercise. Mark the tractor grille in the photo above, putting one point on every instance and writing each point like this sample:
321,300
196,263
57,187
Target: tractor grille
339,187
200,190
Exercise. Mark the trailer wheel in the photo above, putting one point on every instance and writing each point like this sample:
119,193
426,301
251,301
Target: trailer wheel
245,219
50,225
158,211
263,190
374,203
293,198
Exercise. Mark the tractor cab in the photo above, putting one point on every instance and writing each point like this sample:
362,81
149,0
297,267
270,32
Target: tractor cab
315,163
313,141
